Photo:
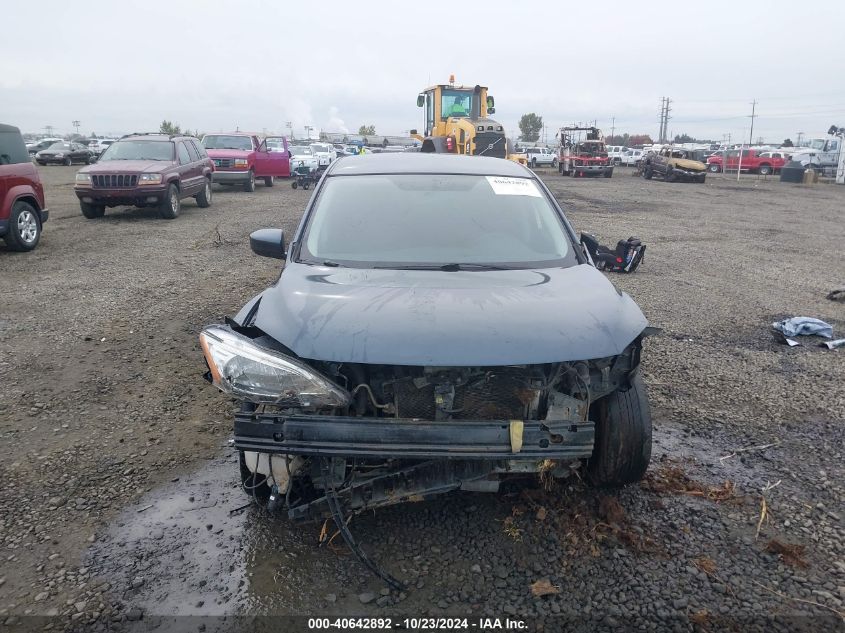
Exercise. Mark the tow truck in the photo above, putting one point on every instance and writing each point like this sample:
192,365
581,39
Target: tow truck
587,157
457,121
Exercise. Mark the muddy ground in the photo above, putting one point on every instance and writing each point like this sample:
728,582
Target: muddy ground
120,502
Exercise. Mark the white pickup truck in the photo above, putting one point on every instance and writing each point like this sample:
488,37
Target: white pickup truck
821,152
540,156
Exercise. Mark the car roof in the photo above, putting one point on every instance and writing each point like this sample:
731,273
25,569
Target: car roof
8,128
429,163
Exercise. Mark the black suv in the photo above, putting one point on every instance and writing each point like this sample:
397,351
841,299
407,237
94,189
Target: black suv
146,170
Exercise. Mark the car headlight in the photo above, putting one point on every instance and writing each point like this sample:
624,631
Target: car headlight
241,162
83,179
261,375
149,179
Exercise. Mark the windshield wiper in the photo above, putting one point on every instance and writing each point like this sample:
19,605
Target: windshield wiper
449,268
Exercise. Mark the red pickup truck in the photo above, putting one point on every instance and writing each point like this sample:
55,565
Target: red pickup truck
241,158
752,160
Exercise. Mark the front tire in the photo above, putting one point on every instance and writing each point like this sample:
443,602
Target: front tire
623,437
554,163
204,196
249,185
170,206
765,170
24,227
67,162
713,169
269,181
92,211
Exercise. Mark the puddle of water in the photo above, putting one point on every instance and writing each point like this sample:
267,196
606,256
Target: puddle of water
196,556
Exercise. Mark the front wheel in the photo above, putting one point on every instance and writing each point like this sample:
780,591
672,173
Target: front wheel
67,162
170,206
24,227
765,170
623,437
554,163
713,169
249,185
269,181
92,211
294,184
204,196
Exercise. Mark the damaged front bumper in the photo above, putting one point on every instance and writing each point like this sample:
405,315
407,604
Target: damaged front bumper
330,436
425,457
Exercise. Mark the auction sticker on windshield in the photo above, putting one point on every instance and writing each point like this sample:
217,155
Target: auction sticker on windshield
503,186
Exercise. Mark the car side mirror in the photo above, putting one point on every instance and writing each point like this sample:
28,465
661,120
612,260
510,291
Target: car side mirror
268,243
420,101
290,154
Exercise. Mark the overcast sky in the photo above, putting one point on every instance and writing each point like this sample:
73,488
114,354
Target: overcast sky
123,66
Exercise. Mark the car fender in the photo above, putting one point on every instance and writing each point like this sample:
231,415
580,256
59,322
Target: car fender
16,193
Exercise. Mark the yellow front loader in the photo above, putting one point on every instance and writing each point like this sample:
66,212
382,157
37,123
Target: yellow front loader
457,122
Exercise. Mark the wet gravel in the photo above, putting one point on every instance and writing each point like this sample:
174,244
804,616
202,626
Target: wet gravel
119,500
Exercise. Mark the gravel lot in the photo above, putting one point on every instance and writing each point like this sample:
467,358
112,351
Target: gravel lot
117,490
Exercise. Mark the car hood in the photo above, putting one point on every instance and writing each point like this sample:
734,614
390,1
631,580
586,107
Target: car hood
126,167
434,318
228,153
685,163
296,158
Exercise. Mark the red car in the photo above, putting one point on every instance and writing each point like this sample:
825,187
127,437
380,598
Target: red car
241,158
752,160
22,208
146,170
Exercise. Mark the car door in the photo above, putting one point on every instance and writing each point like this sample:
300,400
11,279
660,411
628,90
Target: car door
197,165
187,170
831,156
273,158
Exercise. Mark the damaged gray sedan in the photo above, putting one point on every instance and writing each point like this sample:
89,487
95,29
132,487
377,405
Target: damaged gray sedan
437,326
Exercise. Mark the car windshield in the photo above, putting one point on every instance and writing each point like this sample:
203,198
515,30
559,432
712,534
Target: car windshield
817,143
298,150
320,148
59,146
424,221
276,144
138,150
221,141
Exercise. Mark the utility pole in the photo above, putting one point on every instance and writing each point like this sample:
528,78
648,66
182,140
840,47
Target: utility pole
664,119
753,116
750,138
612,126
308,129
49,130
798,143
76,125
